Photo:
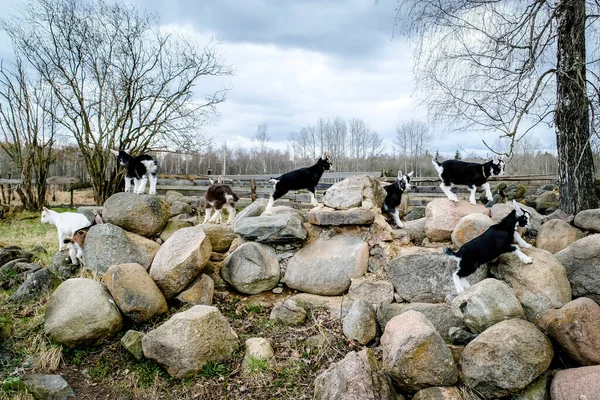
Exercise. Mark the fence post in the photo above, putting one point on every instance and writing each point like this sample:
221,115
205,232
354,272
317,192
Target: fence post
253,190
9,186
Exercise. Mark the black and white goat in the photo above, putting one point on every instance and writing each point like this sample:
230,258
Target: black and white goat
455,172
217,196
302,178
138,169
497,240
394,196
77,241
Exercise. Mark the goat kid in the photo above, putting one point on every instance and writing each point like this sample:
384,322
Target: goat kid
394,196
77,241
138,169
302,178
66,223
497,240
455,172
217,196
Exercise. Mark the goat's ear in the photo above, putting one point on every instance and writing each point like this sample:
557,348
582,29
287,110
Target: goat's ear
211,181
45,209
324,155
410,173
399,173
517,208
115,152
495,158
502,157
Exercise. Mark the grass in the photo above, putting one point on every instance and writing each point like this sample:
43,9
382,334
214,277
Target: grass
214,369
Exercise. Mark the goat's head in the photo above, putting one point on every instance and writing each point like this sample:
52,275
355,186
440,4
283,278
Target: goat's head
97,216
325,162
498,166
523,217
404,180
121,155
46,216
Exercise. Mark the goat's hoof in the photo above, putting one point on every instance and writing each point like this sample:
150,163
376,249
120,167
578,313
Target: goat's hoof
473,202
527,246
527,260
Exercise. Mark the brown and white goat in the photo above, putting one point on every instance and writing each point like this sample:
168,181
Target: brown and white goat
77,241
217,196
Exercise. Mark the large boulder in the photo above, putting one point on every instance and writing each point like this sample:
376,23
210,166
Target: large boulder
576,384
190,339
357,377
416,229
285,225
38,284
372,289
288,312
546,200
356,191
469,227
180,207
501,210
219,235
47,387
440,315
252,268
107,244
359,324
582,262
81,312
588,220
180,260
326,216
442,216
505,358
439,393
556,235
134,291
143,214
255,209
576,329
199,292
426,276
12,253
538,286
486,303
327,266
415,355
173,226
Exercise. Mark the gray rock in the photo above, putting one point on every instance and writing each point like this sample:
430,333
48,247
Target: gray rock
253,210
538,390
179,207
486,303
252,268
359,324
357,377
284,226
173,226
426,277
582,262
415,355
88,211
416,229
220,235
326,266
417,212
190,339
35,287
558,214
47,387
62,267
576,384
199,292
125,248
143,214
288,312
337,306
438,393
538,286
556,235
180,260
440,315
355,191
132,341
81,311
372,289
460,337
588,220
12,253
257,349
576,329
135,293
325,216
505,359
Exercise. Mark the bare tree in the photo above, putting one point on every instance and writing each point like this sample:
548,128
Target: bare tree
118,79
28,132
413,138
508,66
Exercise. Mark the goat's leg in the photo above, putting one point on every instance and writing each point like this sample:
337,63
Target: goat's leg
472,189
142,185
523,257
457,282
73,254
276,195
216,218
446,189
128,183
136,184
313,198
207,212
231,210
153,180
520,241
394,214
61,238
488,192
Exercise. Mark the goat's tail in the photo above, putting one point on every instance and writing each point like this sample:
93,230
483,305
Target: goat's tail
66,241
449,252
273,180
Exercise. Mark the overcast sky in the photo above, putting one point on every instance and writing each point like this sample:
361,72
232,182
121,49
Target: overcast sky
298,60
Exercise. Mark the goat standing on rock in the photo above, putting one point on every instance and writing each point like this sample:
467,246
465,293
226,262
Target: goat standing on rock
77,241
138,169
66,223
394,196
217,196
302,178
455,172
492,243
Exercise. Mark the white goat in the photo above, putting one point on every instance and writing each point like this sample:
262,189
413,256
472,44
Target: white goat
66,223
